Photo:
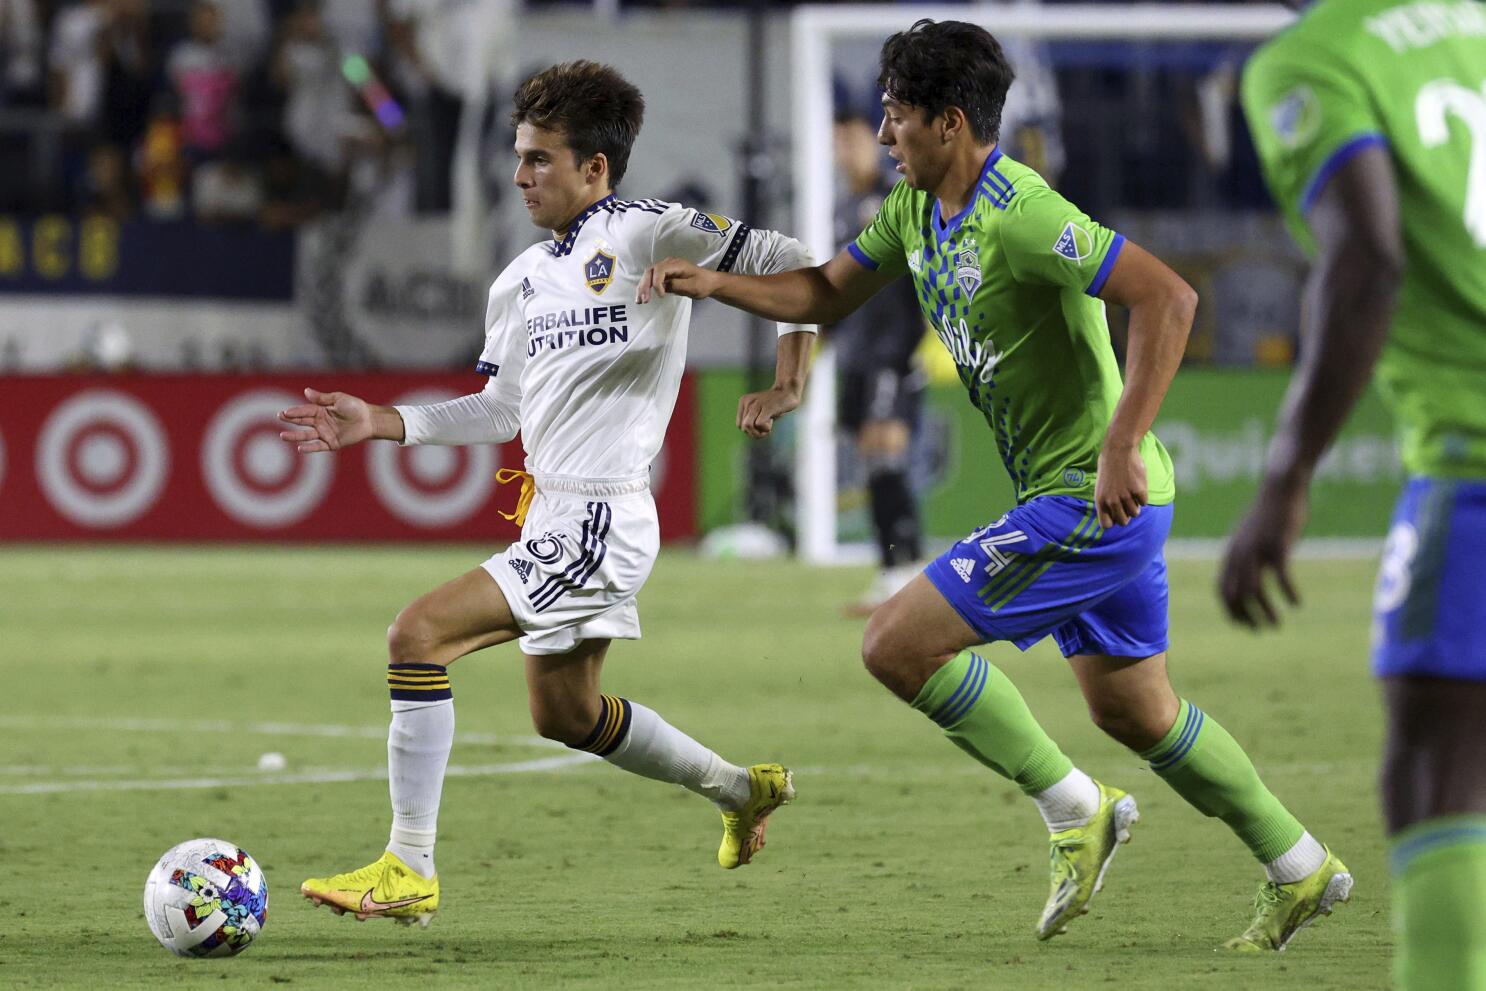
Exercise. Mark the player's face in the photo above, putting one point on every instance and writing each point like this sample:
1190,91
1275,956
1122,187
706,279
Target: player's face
916,144
554,185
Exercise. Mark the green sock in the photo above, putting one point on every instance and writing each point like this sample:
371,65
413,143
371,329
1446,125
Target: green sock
1439,904
1209,769
984,715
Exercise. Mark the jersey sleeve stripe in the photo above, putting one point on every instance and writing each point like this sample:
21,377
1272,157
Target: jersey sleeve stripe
735,247
1335,161
486,368
863,259
1106,266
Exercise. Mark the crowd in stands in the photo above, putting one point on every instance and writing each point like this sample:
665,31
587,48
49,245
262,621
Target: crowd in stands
259,112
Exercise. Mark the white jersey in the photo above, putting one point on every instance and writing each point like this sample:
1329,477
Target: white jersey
587,375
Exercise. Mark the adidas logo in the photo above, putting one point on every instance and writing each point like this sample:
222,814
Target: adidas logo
527,292
523,568
964,567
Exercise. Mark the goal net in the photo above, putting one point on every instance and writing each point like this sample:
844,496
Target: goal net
1148,89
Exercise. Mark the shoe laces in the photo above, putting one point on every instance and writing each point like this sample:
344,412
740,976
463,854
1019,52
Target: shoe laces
1064,854
1266,900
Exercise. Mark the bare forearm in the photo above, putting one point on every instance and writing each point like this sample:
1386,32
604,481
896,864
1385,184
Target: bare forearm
804,295
1158,337
792,362
1345,315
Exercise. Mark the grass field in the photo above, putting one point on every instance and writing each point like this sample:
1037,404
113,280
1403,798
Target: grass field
902,865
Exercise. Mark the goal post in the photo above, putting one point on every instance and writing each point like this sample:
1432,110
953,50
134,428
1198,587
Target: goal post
815,30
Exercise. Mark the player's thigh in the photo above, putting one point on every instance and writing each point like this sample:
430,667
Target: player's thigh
563,689
912,635
883,438
466,614
1432,757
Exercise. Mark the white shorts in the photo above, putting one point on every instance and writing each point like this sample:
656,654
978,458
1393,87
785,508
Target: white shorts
580,561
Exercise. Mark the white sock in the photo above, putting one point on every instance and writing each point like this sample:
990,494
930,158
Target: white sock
1069,803
418,744
653,748
1300,861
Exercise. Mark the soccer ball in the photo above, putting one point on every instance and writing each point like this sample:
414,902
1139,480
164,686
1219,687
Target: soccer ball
206,898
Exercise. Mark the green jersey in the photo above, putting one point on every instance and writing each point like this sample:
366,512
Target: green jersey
1412,78
1011,284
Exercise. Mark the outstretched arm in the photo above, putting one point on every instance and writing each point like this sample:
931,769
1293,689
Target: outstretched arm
757,411
333,420
821,294
1345,314
1161,306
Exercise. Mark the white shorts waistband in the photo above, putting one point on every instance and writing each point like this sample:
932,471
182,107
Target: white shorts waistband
575,485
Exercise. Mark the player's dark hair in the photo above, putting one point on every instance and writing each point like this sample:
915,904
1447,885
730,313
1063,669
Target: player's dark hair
595,108
937,65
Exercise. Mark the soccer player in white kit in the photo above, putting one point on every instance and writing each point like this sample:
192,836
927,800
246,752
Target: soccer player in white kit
589,377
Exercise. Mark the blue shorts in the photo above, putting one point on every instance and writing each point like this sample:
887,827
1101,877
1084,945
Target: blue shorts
1046,568
1429,608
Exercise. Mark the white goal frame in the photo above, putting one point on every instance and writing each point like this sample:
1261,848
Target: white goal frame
814,29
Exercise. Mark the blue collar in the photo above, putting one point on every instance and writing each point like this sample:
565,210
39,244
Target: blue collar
564,245
943,228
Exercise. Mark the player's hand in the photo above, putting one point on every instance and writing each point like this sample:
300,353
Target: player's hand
1262,543
328,422
1120,489
678,276
757,411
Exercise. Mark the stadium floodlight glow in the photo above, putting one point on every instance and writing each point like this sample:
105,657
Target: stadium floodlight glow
814,30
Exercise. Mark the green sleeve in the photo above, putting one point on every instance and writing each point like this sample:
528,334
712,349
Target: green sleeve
880,246
1047,240
1307,117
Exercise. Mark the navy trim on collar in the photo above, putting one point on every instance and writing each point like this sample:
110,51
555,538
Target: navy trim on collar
564,246
942,227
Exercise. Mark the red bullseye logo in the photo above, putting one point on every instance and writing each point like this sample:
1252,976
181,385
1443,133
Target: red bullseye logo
431,486
254,477
102,458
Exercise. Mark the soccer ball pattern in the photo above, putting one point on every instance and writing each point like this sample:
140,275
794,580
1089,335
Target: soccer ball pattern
206,898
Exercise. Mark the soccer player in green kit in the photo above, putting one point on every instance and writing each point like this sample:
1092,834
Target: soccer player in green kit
1012,275
1370,120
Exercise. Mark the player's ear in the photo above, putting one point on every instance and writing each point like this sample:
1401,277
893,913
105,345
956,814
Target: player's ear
951,123
596,169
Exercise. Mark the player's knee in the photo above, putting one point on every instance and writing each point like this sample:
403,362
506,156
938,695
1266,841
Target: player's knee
1132,725
412,639
884,654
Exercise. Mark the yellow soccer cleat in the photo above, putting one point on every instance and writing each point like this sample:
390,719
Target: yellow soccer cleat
1081,855
385,889
1282,910
769,786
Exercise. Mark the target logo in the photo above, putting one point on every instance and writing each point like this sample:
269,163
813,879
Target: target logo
427,485
254,477
102,458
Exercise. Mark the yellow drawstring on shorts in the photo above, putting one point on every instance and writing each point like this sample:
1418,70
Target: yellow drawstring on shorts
528,489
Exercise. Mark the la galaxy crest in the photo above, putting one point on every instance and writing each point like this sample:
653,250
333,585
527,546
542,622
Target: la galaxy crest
967,267
598,271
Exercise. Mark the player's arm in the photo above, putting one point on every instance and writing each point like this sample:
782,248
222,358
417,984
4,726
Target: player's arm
1161,306
819,294
1347,307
